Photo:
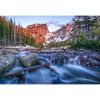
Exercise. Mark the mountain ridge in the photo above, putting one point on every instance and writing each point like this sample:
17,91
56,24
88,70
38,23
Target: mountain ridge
41,33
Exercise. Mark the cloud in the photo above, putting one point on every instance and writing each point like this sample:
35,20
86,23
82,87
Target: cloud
59,25
55,23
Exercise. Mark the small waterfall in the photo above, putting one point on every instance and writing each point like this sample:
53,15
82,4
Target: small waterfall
74,61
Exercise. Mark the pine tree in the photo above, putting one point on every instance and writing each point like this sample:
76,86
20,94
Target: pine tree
14,33
95,29
11,35
1,30
83,24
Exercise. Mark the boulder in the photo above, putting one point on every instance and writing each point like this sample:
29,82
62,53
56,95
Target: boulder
43,61
33,68
6,62
59,58
90,60
84,60
12,51
28,60
94,62
97,57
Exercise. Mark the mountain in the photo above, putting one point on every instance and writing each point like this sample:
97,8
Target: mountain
38,32
41,33
62,34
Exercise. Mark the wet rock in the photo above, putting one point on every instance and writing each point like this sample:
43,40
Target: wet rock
33,68
72,52
59,58
28,60
97,57
15,72
94,62
12,51
89,58
6,62
43,61
84,52
84,61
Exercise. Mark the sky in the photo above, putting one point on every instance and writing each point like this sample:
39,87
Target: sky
53,22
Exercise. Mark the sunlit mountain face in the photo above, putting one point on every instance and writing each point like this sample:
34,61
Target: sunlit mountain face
41,34
38,31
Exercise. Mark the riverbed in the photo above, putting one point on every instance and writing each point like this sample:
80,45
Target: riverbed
63,68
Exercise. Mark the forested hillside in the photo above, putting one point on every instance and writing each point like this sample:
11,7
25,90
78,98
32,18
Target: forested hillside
12,35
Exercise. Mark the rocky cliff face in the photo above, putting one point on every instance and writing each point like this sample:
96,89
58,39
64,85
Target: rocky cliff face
38,31
41,33
64,33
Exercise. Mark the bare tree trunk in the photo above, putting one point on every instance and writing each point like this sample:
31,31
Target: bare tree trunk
4,42
14,29
87,28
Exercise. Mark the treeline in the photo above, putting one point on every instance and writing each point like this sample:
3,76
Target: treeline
86,33
59,44
12,34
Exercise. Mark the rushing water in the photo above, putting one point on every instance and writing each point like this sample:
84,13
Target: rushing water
67,73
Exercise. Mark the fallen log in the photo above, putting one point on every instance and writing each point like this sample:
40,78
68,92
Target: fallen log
21,71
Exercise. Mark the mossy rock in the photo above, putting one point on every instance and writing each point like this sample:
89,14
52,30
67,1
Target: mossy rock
28,60
6,62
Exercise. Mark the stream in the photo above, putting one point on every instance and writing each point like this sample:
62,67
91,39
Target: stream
70,72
